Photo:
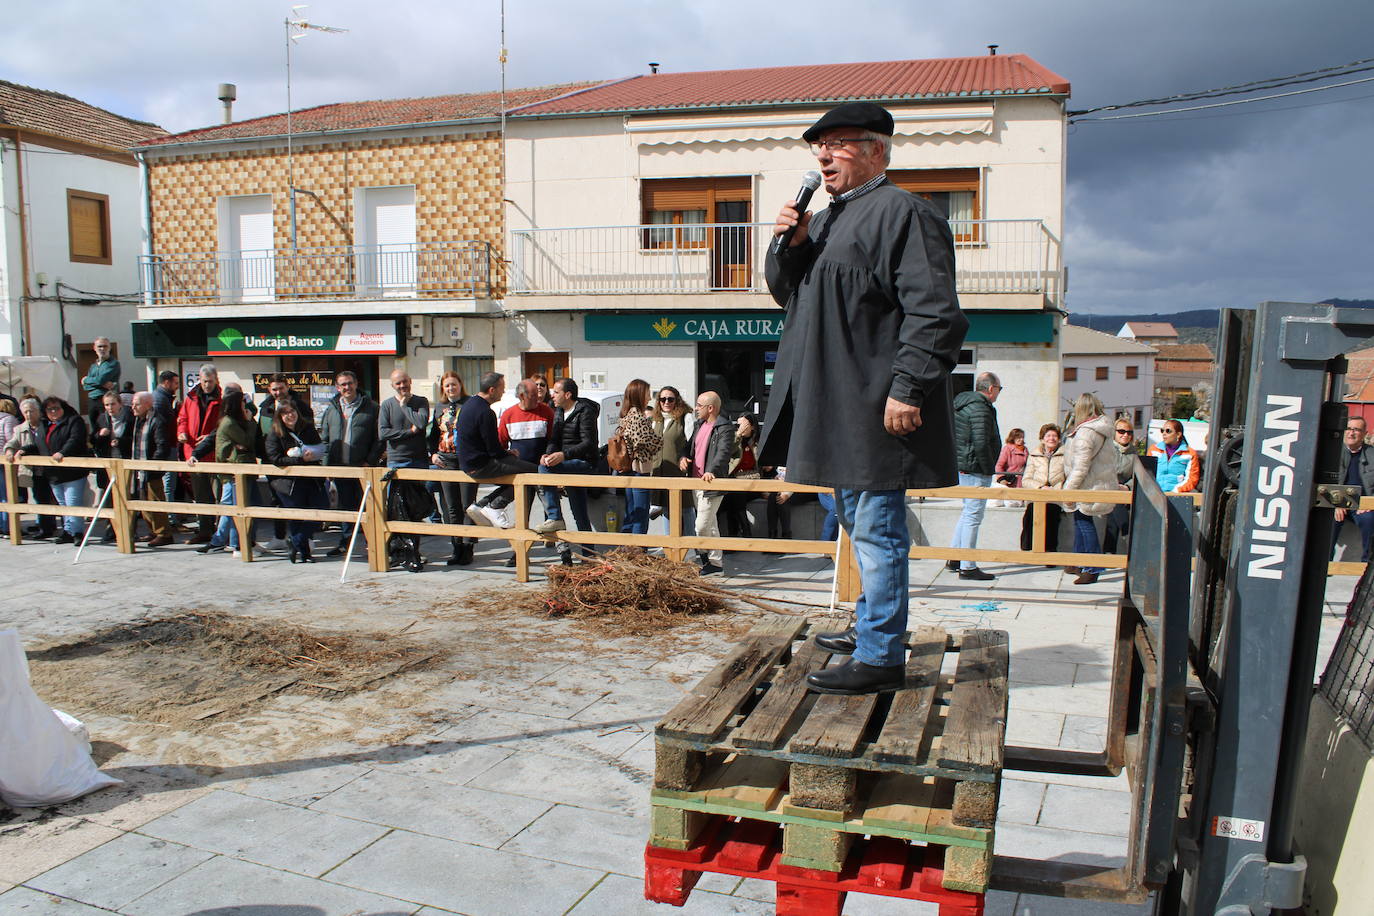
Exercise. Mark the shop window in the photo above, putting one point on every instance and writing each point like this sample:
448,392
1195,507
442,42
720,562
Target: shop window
955,192
1070,374
88,227
1101,373
1132,372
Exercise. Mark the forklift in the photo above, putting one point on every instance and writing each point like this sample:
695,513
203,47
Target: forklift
1217,630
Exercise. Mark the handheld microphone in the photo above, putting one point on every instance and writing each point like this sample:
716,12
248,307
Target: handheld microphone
810,182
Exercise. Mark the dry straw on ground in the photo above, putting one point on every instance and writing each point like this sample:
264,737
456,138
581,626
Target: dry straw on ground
628,592
195,667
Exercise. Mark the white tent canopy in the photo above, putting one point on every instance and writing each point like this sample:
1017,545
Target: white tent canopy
43,374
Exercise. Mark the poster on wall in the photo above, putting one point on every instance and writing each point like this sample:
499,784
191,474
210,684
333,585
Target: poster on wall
314,386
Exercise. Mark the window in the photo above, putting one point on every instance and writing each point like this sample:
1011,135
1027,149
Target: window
955,192
1101,373
689,201
1137,418
1132,372
1070,374
88,226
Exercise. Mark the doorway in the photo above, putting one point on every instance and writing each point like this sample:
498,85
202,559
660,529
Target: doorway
741,373
553,366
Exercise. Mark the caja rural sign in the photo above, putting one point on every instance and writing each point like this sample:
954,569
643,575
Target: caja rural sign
311,337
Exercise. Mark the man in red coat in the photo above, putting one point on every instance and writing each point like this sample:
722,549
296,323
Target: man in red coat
197,420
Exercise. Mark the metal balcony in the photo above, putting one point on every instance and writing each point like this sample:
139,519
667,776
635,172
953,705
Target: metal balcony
427,270
992,256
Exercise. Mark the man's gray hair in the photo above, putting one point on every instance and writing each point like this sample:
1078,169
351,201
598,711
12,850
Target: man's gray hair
884,139
38,405
489,381
986,382
143,396
209,369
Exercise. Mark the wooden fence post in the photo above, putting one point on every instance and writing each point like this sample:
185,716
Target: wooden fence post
121,519
11,471
675,502
849,586
242,523
522,520
1038,527
377,559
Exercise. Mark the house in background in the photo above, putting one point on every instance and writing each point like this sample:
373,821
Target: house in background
1149,332
364,235
1121,372
1178,369
640,212
69,230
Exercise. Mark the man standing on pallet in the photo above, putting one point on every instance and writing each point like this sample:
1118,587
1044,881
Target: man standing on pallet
861,396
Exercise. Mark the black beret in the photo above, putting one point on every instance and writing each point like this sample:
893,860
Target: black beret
865,115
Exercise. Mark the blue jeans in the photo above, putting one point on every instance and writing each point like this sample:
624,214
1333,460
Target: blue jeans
70,493
1085,538
636,507
226,532
875,521
966,532
830,525
577,496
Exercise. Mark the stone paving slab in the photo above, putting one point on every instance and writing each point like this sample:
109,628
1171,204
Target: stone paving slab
23,901
120,871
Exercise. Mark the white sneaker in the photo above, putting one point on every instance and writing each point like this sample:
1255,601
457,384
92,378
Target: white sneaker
497,518
257,552
475,512
550,525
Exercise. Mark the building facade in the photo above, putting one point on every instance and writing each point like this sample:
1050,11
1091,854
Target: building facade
365,236
1121,372
69,233
640,212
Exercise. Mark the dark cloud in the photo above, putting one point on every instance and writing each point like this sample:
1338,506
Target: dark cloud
1215,208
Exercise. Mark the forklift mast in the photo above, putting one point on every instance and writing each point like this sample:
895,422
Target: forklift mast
1263,542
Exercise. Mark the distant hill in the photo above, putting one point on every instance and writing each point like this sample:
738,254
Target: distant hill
1197,318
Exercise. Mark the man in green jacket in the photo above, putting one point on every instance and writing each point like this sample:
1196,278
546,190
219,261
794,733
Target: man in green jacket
977,442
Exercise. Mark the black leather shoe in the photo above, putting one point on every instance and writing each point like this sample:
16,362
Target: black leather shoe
841,643
952,565
335,551
854,677
976,574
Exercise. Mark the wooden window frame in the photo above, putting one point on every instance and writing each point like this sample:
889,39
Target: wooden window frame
103,200
1070,373
922,182
679,195
1101,374
1132,372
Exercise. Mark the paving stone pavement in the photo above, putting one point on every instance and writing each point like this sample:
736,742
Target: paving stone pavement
514,778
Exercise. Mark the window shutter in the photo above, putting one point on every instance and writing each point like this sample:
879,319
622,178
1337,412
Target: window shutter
88,227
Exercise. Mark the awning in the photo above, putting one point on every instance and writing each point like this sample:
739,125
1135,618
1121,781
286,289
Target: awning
925,121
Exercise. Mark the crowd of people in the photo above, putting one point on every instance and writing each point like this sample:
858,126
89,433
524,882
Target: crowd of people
550,429
1092,452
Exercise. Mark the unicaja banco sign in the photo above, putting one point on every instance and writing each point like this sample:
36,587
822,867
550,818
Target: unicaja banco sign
311,337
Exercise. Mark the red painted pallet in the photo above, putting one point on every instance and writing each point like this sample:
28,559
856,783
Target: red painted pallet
753,849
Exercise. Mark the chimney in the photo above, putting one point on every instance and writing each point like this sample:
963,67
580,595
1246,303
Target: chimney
228,92
653,66
992,50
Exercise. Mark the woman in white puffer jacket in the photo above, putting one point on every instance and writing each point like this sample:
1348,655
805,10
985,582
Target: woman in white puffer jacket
1090,465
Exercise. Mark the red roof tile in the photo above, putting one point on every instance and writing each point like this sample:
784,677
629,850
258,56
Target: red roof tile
1150,329
1197,351
955,77
61,115
363,115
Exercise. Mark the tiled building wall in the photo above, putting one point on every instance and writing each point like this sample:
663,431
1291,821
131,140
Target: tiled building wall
457,179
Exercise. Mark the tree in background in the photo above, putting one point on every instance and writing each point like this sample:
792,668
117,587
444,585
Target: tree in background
1184,407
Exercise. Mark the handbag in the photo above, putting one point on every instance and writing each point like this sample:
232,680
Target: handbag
617,454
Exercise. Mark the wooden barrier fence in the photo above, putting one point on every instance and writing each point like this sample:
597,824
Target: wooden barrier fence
123,510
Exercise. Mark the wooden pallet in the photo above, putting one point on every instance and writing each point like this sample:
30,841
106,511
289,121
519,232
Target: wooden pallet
753,849
921,764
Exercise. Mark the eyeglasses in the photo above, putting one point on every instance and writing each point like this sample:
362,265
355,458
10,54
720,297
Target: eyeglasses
835,143
1126,431
52,409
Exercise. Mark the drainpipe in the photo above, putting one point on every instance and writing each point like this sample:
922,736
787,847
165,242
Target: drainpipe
146,273
25,326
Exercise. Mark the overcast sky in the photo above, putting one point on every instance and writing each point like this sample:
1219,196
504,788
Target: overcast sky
1271,200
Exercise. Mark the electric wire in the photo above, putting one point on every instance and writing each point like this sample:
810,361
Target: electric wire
1262,98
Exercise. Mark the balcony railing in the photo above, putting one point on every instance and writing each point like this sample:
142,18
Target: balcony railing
992,256
428,270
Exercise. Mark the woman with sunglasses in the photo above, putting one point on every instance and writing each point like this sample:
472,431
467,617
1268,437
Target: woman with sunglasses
1119,522
64,435
670,422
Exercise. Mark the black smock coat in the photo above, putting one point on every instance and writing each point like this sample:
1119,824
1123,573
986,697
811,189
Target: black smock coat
871,314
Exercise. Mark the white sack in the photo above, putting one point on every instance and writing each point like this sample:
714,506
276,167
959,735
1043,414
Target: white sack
41,761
